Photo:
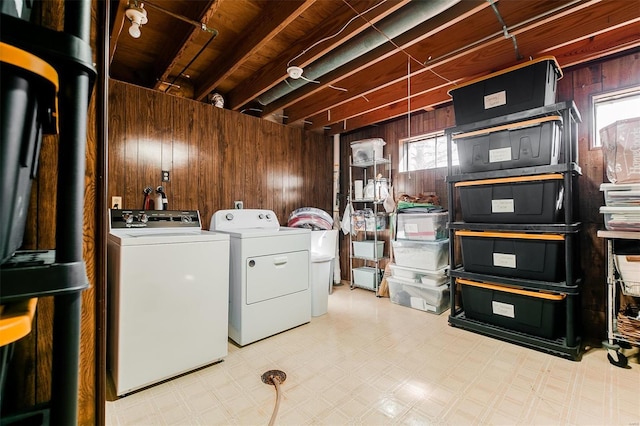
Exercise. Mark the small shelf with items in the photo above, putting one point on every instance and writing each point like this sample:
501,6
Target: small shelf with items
623,282
369,246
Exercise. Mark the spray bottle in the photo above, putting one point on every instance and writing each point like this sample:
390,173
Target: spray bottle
161,202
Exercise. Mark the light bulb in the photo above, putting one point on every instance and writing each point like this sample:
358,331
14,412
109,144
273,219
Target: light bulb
134,30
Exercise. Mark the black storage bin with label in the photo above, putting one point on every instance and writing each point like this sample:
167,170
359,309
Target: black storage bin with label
536,313
28,89
520,199
527,143
525,86
515,255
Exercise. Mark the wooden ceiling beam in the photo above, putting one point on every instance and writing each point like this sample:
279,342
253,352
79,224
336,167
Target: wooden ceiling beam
165,64
537,39
274,19
472,35
276,71
584,50
116,27
440,22
385,64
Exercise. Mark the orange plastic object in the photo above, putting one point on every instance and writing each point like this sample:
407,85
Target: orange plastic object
16,319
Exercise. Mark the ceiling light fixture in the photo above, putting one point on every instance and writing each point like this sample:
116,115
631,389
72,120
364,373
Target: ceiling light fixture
138,16
294,72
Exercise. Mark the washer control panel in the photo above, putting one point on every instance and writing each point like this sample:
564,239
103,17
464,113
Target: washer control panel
154,219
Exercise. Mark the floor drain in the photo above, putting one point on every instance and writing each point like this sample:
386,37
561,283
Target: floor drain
268,376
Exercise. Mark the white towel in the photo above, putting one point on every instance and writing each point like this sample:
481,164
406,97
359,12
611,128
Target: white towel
345,224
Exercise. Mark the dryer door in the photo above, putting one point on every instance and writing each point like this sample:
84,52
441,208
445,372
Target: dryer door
276,275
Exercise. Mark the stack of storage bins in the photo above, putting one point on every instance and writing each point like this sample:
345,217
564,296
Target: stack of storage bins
418,277
518,235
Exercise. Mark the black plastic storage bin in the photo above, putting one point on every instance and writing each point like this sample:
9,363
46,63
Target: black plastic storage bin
520,199
525,86
527,143
28,89
516,255
536,313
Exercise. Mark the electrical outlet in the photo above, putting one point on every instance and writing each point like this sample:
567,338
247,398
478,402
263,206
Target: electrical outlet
238,205
116,202
165,175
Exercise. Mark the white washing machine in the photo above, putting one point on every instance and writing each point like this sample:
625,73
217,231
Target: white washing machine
168,286
269,289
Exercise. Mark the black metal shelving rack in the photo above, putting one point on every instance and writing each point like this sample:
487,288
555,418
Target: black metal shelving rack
60,273
569,345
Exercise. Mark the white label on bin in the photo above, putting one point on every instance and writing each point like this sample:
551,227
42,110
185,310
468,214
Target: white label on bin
495,100
502,206
411,228
504,260
504,309
500,154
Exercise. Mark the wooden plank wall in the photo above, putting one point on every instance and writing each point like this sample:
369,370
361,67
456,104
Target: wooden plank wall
578,84
215,156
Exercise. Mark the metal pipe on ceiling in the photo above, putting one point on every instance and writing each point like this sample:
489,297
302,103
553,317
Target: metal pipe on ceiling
408,17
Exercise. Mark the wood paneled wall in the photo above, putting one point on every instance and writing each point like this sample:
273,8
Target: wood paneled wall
578,84
215,156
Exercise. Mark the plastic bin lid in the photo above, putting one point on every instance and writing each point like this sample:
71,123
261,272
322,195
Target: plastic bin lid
620,187
379,141
319,258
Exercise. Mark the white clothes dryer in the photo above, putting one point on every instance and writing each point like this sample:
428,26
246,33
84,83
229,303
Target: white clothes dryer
269,288
168,286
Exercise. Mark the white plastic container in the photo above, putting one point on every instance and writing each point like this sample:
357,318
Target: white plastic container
418,296
422,226
367,249
414,275
366,277
621,218
367,150
629,268
621,195
429,255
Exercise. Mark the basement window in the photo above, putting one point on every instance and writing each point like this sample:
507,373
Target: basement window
613,106
425,152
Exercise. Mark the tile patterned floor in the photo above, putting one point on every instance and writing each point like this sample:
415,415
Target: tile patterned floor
371,362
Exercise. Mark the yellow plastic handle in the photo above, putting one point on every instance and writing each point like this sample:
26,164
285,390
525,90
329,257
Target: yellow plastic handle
515,179
514,235
512,126
536,294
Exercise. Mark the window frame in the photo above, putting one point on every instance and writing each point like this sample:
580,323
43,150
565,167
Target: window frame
604,97
403,148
